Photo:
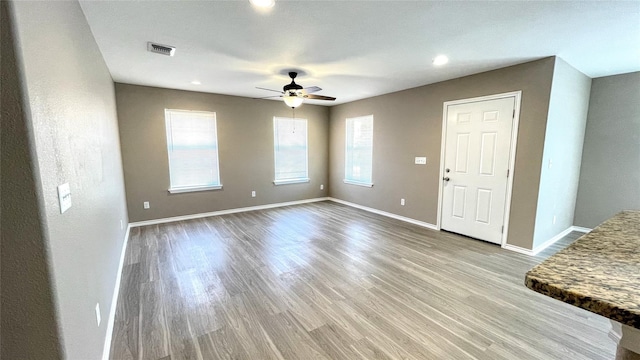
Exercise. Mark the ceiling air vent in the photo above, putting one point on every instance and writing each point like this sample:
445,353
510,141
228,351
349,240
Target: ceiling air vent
161,49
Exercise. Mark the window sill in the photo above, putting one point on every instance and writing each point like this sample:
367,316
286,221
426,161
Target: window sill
357,183
194,189
291,181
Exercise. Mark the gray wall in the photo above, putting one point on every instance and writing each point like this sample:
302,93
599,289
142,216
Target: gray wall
409,123
245,137
27,320
71,111
562,151
610,174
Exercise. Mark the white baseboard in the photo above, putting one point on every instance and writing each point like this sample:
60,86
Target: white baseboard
551,241
581,229
387,214
114,301
224,212
625,336
547,243
518,249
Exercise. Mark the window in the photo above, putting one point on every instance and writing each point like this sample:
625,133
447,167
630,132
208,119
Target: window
192,143
290,145
359,151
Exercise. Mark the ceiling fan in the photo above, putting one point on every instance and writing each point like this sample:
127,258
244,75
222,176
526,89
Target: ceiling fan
294,94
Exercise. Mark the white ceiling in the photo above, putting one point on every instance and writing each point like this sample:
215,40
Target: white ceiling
355,49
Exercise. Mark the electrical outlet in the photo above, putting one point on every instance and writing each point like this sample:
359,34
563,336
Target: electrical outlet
98,318
321,187
420,160
402,202
146,205
253,193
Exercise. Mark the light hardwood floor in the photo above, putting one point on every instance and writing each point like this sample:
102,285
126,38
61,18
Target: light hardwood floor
326,281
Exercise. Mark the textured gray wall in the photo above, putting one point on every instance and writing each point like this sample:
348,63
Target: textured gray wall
75,132
27,317
562,151
610,174
245,137
409,123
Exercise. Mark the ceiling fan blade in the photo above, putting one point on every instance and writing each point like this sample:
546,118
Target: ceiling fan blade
278,91
312,89
319,97
267,97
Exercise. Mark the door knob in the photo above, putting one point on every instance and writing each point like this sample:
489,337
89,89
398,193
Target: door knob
446,178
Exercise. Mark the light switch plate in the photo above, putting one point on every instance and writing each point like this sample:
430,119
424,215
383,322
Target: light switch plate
421,160
64,197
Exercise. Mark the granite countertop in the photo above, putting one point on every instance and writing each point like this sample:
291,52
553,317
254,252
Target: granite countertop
599,272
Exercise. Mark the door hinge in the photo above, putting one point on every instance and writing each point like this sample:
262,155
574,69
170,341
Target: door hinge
508,172
502,231
514,114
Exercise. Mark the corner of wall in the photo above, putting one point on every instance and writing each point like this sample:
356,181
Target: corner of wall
80,249
610,170
562,152
28,316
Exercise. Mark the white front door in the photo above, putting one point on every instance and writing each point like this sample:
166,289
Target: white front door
476,165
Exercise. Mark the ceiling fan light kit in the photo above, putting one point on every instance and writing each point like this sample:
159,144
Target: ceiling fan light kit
440,60
294,94
263,3
292,101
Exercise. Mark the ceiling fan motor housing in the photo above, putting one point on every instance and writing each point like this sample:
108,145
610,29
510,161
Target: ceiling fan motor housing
290,88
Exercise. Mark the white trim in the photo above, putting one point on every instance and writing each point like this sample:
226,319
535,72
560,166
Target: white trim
562,234
114,300
518,249
357,183
625,336
551,241
517,95
615,333
387,214
223,212
443,143
194,189
581,229
512,163
547,243
290,181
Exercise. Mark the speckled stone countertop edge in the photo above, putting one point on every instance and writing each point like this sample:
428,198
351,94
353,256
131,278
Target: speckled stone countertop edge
594,305
569,275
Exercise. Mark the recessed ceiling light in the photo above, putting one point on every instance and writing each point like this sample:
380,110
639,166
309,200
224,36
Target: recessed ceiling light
440,60
196,82
263,3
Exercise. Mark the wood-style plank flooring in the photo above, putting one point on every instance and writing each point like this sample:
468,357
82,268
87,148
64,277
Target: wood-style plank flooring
326,281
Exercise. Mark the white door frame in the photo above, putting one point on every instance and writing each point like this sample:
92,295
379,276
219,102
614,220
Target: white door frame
512,152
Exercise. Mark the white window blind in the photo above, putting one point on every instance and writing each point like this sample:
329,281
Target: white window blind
192,143
290,146
359,151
